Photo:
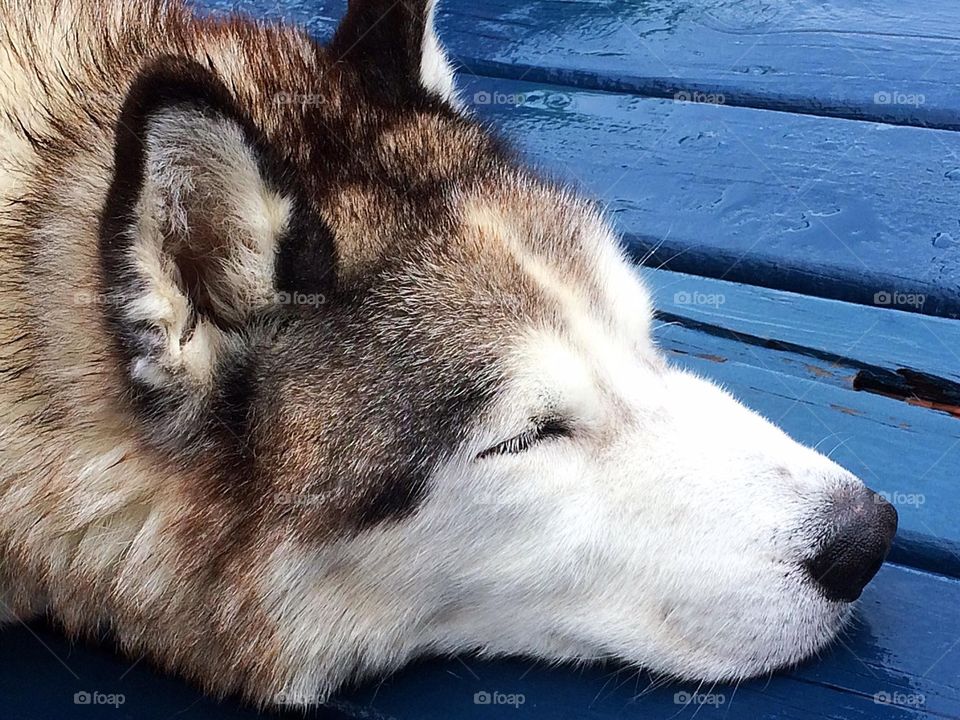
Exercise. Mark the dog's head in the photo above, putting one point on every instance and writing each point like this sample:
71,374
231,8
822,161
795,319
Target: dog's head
426,378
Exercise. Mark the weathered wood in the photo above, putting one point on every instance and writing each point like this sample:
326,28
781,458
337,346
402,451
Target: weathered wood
875,337
884,60
835,208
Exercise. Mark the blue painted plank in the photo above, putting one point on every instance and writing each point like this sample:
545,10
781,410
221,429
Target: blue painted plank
879,336
879,60
318,17
884,60
904,648
835,208
827,207
794,359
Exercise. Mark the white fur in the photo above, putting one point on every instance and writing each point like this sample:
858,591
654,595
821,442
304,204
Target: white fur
668,532
436,72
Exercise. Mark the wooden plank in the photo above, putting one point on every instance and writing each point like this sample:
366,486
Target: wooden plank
891,653
42,672
816,205
796,359
845,61
882,60
318,17
854,336
905,646
855,211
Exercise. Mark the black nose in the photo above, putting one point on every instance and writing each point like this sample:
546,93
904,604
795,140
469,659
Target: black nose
861,527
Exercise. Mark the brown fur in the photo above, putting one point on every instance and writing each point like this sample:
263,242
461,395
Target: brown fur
165,541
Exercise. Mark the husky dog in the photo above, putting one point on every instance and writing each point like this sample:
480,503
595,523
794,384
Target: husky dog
305,375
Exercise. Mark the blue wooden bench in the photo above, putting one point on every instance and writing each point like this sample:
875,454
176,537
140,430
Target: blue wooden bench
791,174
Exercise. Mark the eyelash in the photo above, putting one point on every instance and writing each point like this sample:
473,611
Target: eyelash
545,429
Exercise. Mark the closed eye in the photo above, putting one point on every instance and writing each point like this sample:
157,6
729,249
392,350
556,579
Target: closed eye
543,429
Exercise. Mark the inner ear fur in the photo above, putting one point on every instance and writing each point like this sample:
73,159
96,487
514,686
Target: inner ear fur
200,209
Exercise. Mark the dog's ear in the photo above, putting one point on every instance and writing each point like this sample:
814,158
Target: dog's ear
394,46
193,233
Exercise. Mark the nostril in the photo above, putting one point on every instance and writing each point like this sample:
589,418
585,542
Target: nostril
861,529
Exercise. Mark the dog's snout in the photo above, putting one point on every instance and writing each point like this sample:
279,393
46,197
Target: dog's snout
861,526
